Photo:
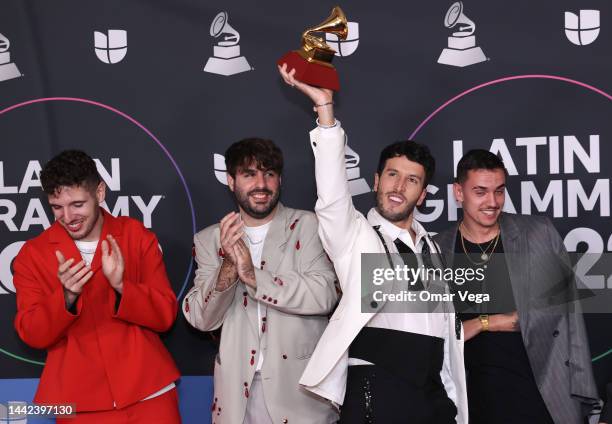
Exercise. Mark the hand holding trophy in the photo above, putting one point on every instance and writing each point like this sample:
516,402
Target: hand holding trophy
312,62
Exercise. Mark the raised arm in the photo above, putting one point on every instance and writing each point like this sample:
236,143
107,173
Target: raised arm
334,207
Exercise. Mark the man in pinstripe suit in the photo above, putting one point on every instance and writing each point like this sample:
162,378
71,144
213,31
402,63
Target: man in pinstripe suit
529,362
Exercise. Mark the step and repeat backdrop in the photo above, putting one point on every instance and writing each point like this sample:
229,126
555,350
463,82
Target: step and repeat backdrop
156,91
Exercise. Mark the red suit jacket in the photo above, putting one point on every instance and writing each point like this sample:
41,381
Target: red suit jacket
101,357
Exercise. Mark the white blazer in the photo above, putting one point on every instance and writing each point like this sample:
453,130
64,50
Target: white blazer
346,234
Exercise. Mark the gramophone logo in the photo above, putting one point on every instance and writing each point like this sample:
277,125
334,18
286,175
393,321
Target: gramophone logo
344,47
462,50
584,29
226,59
111,48
8,70
357,185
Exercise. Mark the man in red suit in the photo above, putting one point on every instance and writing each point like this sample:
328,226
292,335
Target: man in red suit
93,291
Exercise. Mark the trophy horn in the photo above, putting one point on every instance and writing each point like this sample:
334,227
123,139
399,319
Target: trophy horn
311,64
335,24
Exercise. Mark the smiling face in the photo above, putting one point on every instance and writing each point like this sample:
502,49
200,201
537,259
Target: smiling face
399,189
77,209
257,191
482,196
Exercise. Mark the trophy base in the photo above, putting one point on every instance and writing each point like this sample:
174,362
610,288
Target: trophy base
9,71
227,67
462,58
311,73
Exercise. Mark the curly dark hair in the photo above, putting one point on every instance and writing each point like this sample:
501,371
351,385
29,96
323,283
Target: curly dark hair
414,152
68,169
263,153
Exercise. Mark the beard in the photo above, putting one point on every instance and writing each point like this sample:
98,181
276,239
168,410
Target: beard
259,211
391,216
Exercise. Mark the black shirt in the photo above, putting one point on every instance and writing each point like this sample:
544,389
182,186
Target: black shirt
500,383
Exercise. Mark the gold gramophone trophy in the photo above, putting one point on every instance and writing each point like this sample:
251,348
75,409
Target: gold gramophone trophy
312,62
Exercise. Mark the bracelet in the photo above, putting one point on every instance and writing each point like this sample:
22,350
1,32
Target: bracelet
484,322
324,104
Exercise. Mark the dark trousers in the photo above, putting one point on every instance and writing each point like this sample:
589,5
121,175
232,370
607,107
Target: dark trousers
404,385
375,395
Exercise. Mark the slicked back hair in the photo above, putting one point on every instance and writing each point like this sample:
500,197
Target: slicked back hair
478,159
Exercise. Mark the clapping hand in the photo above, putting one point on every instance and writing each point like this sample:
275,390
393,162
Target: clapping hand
244,264
73,278
112,263
230,231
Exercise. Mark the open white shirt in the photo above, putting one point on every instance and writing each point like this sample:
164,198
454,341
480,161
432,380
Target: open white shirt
255,237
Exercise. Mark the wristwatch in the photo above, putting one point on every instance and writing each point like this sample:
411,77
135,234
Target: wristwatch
484,321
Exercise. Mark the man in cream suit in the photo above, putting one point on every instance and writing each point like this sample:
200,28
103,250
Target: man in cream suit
262,275
380,367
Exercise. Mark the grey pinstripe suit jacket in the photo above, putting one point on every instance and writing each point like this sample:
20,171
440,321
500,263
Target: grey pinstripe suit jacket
554,335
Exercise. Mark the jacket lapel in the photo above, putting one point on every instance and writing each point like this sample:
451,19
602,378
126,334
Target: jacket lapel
446,240
58,236
271,257
276,239
515,251
65,244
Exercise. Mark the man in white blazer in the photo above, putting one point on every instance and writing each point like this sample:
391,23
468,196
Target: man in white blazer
379,367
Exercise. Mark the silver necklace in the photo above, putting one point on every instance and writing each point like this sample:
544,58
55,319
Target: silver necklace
251,242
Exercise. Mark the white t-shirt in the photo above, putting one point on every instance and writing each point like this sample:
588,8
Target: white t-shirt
87,249
255,237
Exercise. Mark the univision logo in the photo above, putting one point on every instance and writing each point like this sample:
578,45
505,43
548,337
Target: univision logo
220,169
584,29
111,48
345,47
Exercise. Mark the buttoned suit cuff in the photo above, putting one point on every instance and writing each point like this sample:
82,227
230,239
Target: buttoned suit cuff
266,288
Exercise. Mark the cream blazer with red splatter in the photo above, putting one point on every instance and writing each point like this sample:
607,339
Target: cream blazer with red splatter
295,286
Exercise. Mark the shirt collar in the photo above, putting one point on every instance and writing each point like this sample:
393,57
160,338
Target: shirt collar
394,232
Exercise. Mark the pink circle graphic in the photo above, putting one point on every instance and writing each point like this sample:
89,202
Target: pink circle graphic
499,81
143,128
506,79
151,135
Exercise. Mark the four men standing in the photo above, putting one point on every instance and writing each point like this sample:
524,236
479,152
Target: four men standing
92,290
